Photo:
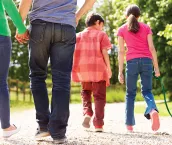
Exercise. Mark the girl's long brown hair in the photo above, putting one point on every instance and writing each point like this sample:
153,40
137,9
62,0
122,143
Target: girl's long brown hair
133,12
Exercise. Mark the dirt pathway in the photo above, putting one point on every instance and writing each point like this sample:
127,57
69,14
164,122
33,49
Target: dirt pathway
115,133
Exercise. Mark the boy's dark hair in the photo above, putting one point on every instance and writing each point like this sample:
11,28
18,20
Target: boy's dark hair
92,18
133,12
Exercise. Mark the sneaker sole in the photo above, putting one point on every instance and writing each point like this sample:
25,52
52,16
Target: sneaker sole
98,130
155,121
60,141
86,122
130,129
42,135
7,134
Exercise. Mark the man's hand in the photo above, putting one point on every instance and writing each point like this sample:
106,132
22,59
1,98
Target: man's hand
77,20
121,78
22,38
84,9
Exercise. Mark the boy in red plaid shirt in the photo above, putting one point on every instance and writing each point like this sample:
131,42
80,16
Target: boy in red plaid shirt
91,67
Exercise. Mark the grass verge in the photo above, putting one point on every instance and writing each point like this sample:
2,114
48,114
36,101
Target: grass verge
115,93
161,107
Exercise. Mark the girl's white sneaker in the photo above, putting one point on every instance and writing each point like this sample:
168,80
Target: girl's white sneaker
7,134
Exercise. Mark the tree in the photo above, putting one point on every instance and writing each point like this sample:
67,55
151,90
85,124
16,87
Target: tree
19,59
81,26
113,13
158,15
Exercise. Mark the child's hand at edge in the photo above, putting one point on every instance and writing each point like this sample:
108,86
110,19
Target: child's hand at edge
109,73
121,78
157,72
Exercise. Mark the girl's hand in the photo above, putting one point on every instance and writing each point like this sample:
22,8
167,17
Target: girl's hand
157,73
22,38
121,78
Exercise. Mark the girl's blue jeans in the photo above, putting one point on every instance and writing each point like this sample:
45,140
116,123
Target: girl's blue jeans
134,68
5,53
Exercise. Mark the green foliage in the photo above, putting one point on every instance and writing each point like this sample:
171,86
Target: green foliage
20,105
81,26
158,15
19,58
167,33
113,13
114,93
140,108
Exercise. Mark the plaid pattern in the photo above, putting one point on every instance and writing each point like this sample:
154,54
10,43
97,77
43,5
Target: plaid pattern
88,63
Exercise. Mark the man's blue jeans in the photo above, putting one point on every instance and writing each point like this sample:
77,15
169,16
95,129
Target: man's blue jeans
57,42
135,67
5,53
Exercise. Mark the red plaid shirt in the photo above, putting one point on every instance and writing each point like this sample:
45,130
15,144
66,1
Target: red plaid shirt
88,62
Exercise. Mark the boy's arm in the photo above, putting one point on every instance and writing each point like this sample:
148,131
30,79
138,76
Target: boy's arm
154,55
13,13
107,61
121,54
24,8
86,7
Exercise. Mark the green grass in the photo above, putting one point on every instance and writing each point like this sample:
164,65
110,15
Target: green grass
20,106
140,109
13,96
115,93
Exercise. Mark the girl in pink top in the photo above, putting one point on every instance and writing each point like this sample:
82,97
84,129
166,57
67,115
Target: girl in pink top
140,54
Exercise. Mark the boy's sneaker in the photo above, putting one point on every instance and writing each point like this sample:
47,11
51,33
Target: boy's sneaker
154,120
9,133
41,133
60,141
129,128
98,128
86,122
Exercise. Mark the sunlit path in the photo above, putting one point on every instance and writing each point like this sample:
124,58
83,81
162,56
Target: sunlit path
114,130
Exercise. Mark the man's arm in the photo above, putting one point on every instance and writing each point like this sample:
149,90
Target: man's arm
84,9
24,8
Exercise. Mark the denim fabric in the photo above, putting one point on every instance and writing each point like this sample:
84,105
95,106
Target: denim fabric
57,42
5,53
135,67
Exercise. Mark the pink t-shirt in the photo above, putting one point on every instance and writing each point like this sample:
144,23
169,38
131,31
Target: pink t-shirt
137,43
88,61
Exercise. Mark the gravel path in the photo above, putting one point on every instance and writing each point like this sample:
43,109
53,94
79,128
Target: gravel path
114,130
